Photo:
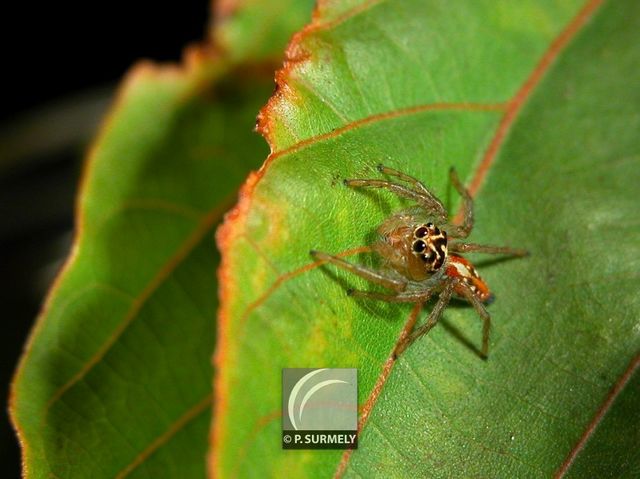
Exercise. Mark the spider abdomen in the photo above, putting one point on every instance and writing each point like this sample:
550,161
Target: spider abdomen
461,268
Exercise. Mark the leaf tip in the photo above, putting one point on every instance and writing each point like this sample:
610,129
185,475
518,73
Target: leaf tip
283,95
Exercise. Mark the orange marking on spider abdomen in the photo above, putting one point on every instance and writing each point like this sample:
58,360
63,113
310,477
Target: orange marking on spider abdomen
462,268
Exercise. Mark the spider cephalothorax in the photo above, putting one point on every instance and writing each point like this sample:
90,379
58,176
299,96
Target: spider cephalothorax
413,248
421,259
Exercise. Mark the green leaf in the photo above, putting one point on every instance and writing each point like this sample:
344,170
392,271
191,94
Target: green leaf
116,379
536,104
257,30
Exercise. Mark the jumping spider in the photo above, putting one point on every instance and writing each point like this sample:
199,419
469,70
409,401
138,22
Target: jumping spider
424,258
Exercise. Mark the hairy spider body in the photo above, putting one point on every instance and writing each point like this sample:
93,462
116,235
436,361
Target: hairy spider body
413,248
423,259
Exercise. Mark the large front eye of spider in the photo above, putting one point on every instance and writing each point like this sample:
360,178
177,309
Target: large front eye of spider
421,231
419,246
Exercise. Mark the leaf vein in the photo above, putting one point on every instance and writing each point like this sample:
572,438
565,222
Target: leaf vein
389,115
192,413
633,367
156,281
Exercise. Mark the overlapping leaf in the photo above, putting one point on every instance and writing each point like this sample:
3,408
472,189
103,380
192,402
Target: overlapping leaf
116,380
543,95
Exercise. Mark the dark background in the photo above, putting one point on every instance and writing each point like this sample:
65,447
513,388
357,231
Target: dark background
61,64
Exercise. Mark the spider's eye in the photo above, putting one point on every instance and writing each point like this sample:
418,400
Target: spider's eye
428,256
429,225
419,246
421,232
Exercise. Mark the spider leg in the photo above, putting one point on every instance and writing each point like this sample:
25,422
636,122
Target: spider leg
426,202
463,230
417,184
405,297
420,194
432,320
465,290
456,247
362,271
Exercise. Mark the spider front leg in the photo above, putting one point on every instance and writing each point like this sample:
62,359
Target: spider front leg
420,194
463,230
432,320
362,271
404,297
456,247
418,186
